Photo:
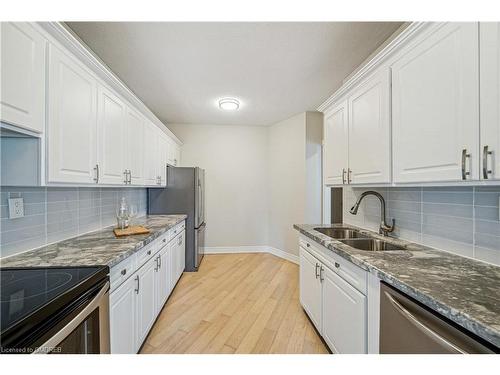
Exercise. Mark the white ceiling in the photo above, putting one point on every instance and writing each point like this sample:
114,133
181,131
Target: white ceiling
277,70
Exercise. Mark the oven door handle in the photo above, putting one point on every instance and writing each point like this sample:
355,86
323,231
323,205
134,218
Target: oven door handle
75,322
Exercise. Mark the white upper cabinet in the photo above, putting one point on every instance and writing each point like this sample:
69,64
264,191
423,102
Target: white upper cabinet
370,131
435,106
134,146
336,143
174,153
22,92
163,147
72,121
490,100
150,154
111,128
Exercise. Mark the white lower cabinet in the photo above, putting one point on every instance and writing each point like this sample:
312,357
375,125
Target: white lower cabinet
123,321
344,315
337,309
137,301
146,301
310,286
163,275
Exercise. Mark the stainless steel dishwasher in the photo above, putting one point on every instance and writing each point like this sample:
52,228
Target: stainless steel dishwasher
407,327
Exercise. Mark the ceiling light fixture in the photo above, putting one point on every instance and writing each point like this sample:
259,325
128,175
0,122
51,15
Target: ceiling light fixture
229,104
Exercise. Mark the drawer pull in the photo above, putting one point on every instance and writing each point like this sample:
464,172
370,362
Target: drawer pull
308,245
337,265
149,252
316,271
124,271
164,240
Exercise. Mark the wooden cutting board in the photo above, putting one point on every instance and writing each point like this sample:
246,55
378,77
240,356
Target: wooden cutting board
134,229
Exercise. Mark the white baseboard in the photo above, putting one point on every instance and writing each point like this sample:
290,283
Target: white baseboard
252,249
283,254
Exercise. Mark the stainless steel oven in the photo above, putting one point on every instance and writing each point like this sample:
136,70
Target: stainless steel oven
54,310
85,330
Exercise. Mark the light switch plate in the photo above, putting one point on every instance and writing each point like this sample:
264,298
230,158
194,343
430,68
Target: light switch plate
16,208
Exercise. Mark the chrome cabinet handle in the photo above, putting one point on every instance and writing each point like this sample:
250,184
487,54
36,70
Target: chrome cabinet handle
337,265
486,171
343,176
129,177
157,266
125,174
421,326
124,271
149,252
175,162
159,261
465,155
349,171
308,245
96,170
321,278
164,240
137,289
316,270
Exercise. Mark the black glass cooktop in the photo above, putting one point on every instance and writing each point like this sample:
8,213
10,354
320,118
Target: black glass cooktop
31,295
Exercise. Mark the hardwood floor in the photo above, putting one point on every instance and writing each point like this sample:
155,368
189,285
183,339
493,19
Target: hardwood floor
236,303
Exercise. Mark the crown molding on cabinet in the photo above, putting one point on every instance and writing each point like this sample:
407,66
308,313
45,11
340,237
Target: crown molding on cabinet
380,58
75,45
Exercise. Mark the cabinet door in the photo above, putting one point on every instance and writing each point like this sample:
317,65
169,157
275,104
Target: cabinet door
123,318
134,148
182,254
161,158
344,315
310,287
150,154
370,131
335,157
435,102
146,301
111,139
490,100
22,64
177,154
72,122
163,278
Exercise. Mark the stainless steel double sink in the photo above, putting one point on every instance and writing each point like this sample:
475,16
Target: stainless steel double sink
353,238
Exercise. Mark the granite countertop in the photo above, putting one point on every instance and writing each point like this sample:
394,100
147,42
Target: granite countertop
462,289
99,248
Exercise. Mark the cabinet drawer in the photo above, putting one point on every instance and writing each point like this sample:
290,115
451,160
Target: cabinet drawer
351,273
121,272
146,253
176,230
163,240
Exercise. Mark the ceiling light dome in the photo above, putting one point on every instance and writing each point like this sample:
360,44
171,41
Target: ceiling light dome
229,104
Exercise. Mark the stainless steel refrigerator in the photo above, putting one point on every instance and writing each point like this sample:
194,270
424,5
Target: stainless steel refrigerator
184,194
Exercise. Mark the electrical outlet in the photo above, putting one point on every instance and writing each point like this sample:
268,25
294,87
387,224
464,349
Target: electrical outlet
16,208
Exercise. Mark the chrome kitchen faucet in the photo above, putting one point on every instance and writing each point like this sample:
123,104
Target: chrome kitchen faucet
384,227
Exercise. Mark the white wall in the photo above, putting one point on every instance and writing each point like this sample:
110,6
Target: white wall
235,163
287,166
259,180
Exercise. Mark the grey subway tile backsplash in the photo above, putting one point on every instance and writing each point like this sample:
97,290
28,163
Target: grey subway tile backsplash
460,219
54,214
